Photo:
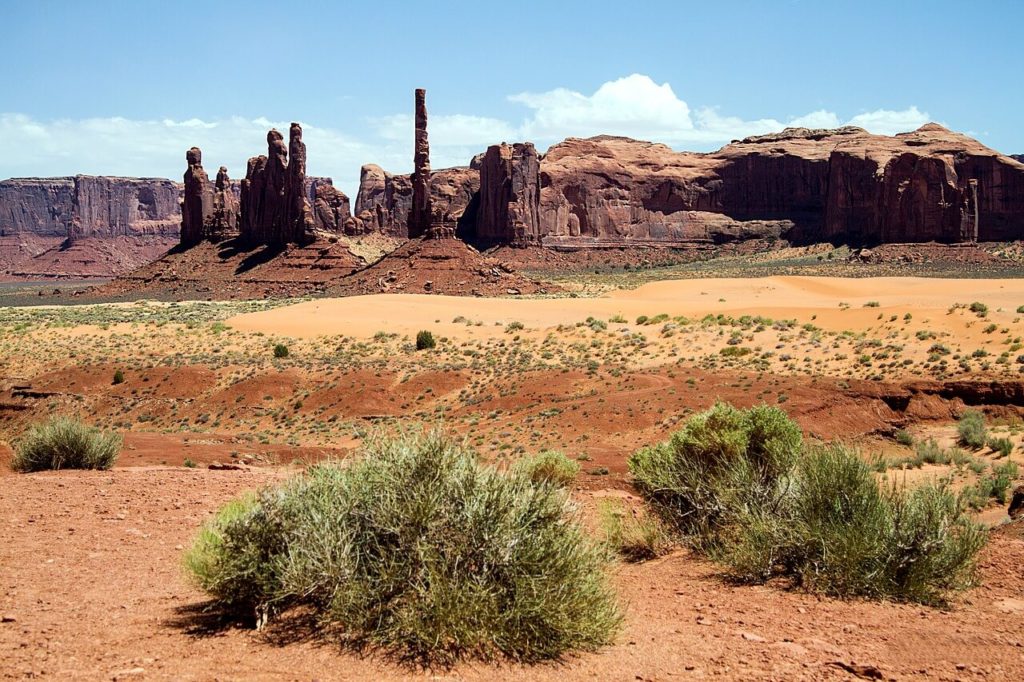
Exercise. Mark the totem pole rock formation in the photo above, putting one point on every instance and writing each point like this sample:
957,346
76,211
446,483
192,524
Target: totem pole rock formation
298,216
275,208
509,211
421,213
197,203
225,208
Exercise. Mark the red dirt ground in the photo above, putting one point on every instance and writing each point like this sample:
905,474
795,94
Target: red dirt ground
91,588
439,266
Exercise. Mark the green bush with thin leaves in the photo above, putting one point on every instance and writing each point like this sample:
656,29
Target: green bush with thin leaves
425,340
722,461
842,534
64,443
971,429
549,466
418,550
737,485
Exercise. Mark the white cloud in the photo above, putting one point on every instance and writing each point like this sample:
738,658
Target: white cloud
635,106
885,122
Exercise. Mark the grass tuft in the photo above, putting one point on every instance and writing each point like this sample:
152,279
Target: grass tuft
549,466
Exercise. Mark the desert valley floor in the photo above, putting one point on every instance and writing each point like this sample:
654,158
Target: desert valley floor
91,584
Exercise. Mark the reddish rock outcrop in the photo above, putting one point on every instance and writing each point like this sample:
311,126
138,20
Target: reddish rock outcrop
225,208
509,211
331,211
275,206
197,202
384,201
36,206
84,226
421,211
842,185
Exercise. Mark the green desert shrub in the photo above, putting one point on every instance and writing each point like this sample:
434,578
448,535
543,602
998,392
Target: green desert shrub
64,443
722,462
751,499
425,340
904,437
549,466
1001,445
280,351
418,550
841,534
971,429
118,377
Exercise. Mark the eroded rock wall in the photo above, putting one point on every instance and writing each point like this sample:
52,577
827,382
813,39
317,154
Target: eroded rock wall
842,185
509,210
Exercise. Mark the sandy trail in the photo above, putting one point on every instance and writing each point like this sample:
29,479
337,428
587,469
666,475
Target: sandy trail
803,298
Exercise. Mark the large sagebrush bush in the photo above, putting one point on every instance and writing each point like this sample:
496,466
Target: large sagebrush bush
419,550
723,462
820,518
65,443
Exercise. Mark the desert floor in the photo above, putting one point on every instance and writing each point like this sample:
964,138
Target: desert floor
90,577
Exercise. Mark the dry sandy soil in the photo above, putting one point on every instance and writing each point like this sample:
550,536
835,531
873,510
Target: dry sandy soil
90,579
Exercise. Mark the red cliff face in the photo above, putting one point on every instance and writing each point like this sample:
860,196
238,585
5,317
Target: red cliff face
85,225
89,206
509,211
842,185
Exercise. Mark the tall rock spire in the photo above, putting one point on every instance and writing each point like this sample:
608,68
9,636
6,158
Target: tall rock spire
420,214
197,203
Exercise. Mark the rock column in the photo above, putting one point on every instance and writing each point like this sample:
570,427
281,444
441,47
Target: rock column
421,213
197,203
225,208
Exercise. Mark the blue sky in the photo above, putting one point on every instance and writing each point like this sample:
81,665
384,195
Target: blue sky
126,87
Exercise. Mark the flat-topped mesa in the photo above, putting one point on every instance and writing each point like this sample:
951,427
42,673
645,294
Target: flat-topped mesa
225,209
805,186
275,206
421,213
509,211
197,201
